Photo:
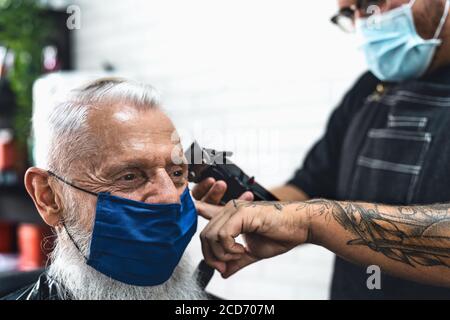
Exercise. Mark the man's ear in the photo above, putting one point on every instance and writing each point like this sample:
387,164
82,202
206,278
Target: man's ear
47,202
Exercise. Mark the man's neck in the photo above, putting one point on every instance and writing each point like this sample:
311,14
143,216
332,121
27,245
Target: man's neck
442,57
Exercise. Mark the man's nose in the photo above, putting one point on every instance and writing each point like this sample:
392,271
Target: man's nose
166,191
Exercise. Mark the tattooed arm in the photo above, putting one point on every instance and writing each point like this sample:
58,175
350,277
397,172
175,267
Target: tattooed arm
410,242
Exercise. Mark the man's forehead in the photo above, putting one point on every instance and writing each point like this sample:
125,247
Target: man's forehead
125,118
126,129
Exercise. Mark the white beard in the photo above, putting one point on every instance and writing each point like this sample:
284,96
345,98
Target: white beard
82,282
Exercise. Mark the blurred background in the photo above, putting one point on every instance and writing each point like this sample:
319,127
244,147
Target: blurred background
258,78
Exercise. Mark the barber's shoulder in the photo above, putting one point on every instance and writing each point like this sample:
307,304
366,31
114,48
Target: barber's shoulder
365,84
354,99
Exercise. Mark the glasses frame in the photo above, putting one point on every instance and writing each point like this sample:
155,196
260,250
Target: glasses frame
349,12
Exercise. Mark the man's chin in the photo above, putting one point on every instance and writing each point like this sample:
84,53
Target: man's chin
82,282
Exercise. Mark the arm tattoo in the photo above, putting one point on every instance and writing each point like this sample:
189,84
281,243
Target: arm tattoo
278,205
417,235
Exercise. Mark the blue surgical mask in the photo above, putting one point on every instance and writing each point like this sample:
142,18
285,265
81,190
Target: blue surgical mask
138,243
394,50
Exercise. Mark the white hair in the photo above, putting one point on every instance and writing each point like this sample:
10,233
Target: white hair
62,136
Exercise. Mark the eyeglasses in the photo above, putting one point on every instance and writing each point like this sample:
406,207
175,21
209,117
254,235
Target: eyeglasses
345,18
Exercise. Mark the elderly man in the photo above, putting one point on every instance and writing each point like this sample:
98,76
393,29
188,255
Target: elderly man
114,187
388,142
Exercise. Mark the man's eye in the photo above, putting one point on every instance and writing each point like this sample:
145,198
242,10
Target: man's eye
178,173
129,177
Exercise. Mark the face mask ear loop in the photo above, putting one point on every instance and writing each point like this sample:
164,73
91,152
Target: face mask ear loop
71,184
412,3
443,20
63,223
73,241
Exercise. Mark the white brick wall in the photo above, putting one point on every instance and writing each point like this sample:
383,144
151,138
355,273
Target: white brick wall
255,77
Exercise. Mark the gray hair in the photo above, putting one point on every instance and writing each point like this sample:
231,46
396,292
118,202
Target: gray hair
63,135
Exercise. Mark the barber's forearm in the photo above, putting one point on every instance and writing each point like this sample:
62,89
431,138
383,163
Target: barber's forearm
409,242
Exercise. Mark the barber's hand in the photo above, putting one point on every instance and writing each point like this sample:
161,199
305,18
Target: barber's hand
212,191
268,229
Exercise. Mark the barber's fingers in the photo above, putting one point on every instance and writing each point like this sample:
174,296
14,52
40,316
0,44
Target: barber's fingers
234,266
206,210
219,253
222,246
218,241
215,193
212,191
218,190
202,188
210,259
247,196
211,236
219,246
215,255
227,229
209,190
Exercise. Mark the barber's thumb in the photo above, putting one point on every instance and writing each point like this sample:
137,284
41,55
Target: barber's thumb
206,210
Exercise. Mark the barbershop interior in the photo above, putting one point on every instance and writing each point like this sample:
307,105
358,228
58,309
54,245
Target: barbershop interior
95,95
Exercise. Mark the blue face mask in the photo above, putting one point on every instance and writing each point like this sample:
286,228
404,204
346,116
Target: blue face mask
138,243
394,51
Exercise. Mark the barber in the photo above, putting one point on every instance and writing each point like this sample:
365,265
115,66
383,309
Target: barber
375,190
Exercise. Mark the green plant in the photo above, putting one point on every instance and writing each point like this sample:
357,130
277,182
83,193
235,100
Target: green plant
23,30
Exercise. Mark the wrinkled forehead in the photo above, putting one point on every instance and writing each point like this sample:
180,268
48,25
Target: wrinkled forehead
123,131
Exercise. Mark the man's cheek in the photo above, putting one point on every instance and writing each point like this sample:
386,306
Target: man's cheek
87,216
